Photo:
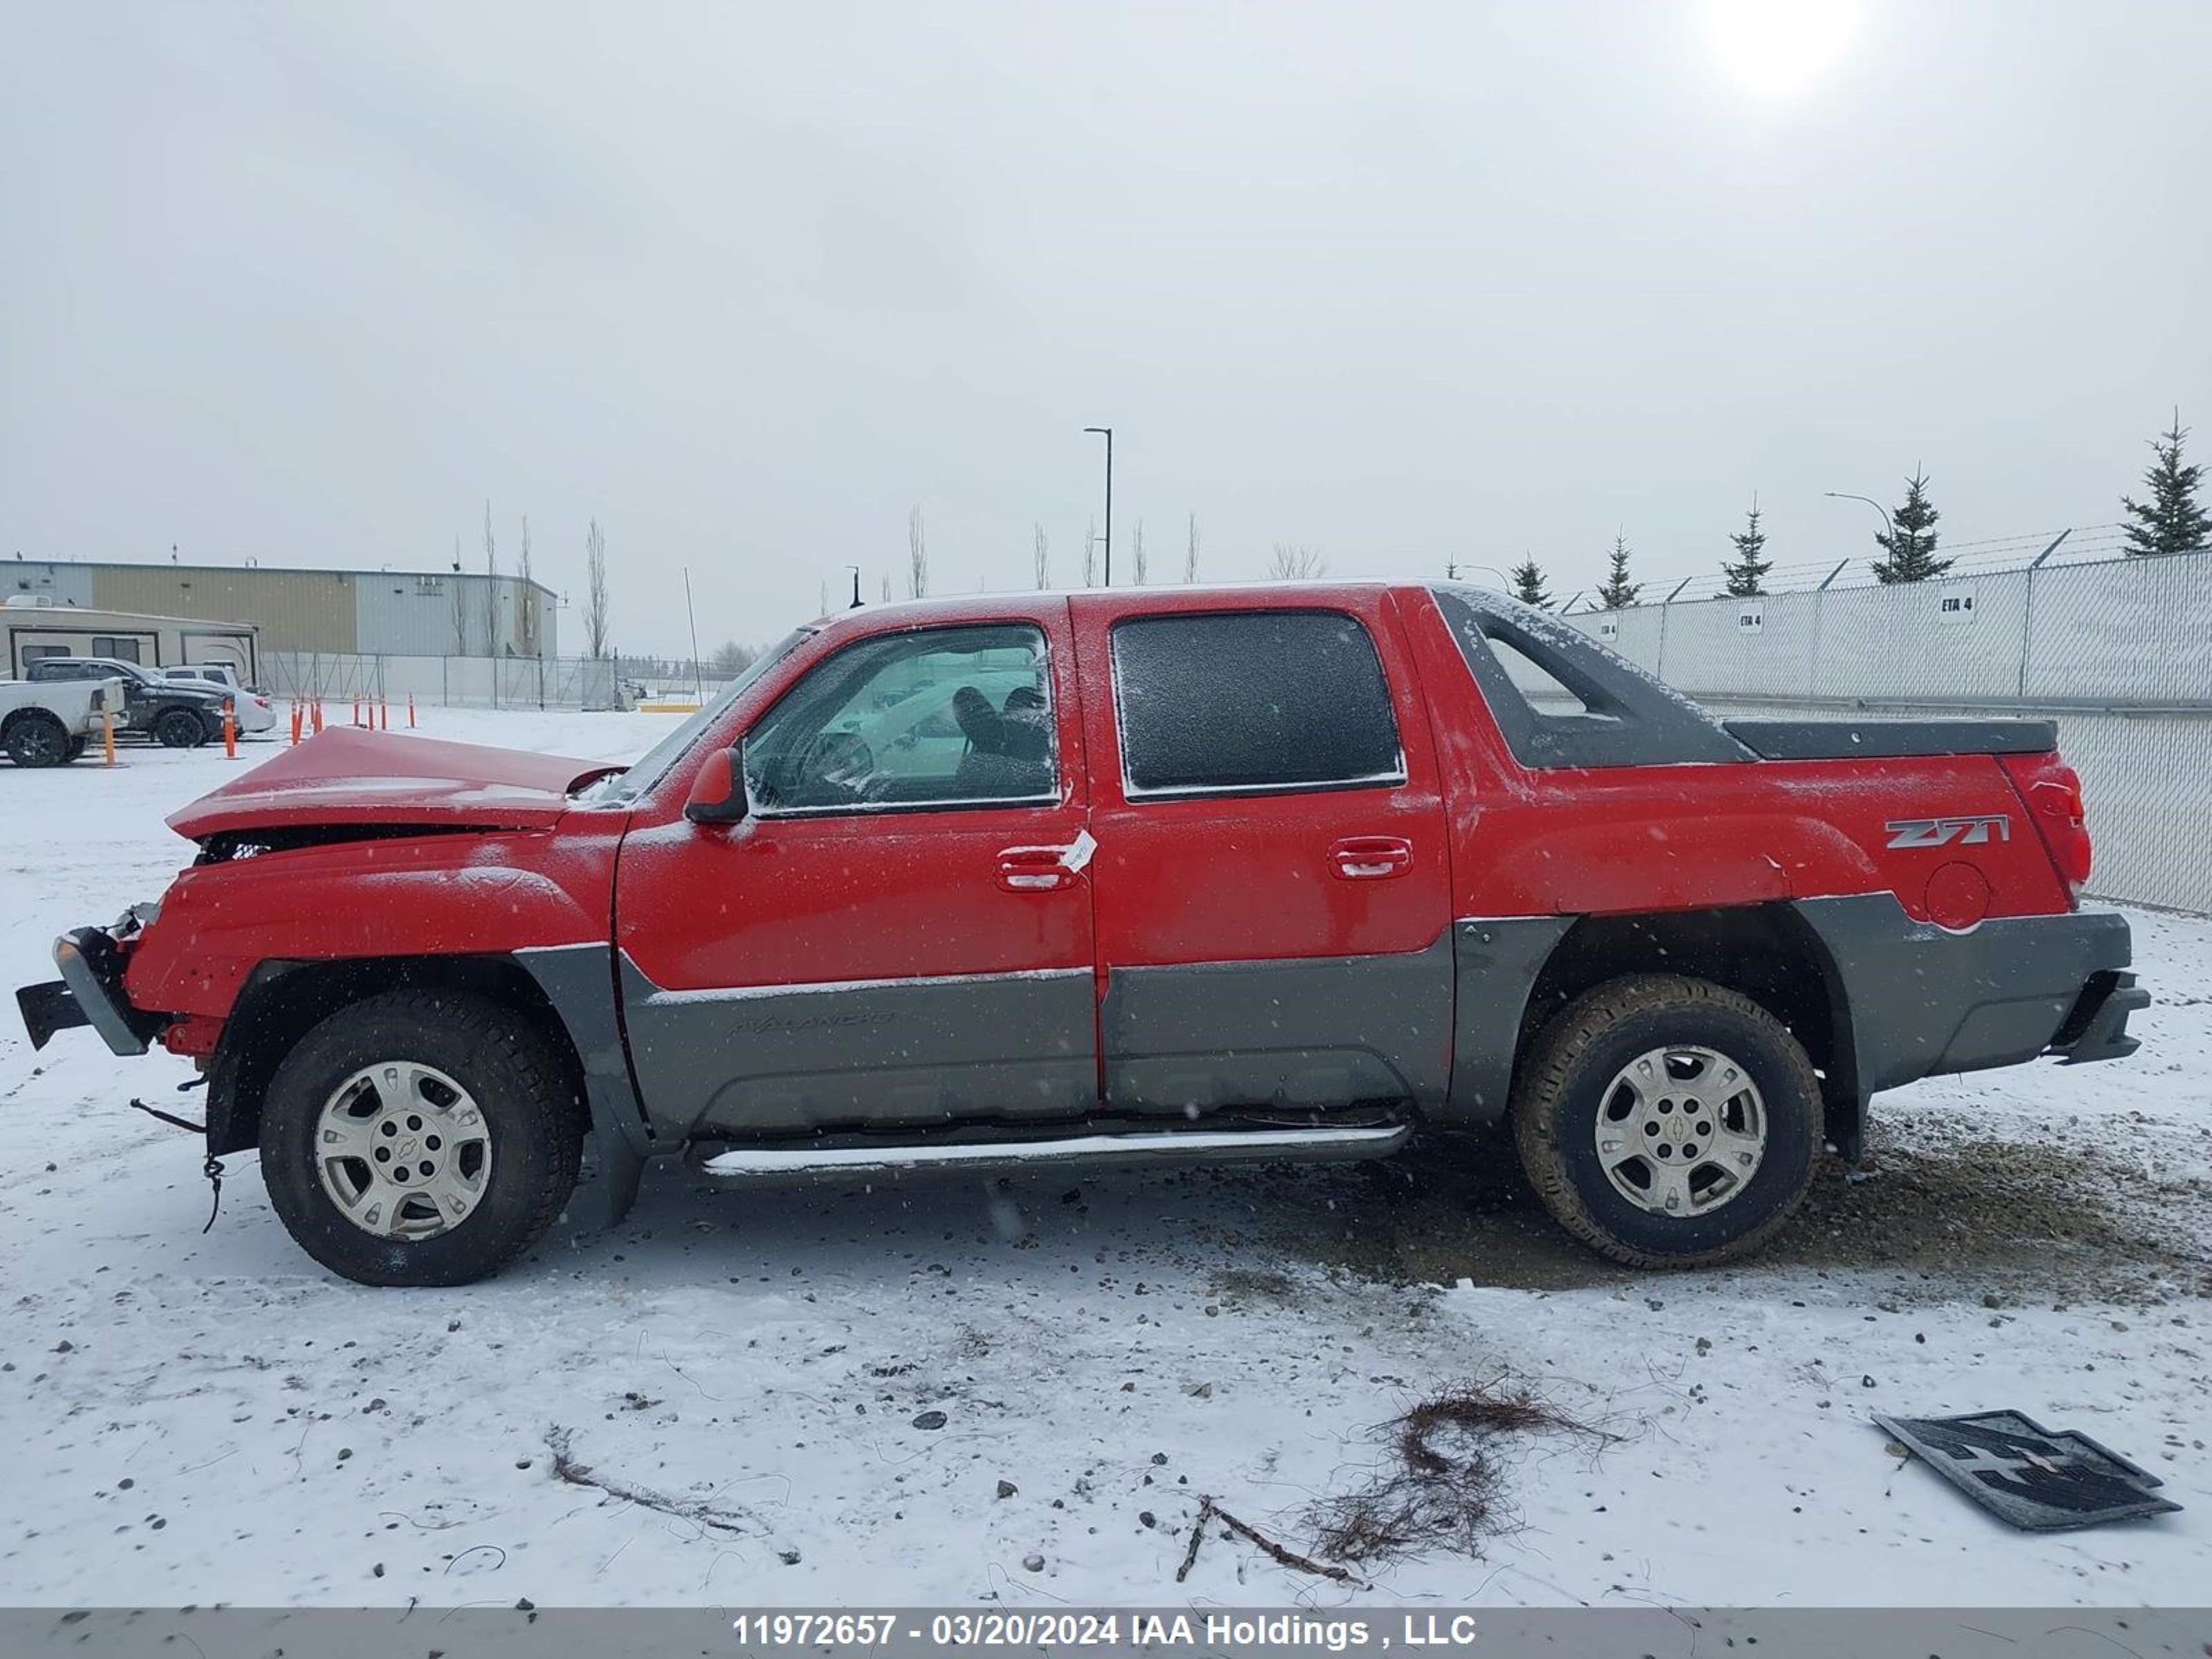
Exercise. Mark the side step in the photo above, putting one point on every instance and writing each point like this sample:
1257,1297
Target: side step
1139,1150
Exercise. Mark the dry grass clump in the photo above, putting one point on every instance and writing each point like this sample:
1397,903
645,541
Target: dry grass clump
1441,1485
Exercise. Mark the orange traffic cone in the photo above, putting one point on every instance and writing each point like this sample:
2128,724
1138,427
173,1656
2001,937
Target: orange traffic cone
315,716
229,729
295,723
410,711
107,733
356,708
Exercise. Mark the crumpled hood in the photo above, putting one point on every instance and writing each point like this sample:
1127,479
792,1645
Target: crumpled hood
346,775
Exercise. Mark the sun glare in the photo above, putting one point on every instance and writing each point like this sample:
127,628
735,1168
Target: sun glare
1777,48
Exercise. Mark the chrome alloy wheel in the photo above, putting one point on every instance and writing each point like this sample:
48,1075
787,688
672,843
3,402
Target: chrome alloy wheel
403,1150
1680,1130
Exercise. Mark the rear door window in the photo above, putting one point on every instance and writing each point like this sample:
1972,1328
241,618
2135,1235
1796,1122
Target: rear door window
1252,701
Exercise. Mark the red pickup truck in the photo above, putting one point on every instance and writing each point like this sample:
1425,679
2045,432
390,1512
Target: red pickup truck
1196,874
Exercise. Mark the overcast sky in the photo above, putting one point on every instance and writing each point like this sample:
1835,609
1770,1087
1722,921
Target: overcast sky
1403,283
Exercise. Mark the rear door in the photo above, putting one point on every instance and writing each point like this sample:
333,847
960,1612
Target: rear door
899,932
1271,885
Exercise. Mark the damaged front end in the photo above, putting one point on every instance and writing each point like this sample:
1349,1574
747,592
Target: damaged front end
90,991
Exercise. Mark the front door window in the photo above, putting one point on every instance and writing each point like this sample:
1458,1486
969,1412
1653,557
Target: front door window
936,718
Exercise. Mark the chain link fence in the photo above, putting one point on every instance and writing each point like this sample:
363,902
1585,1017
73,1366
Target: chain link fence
2118,653
446,682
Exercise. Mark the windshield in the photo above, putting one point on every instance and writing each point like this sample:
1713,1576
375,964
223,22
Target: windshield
653,765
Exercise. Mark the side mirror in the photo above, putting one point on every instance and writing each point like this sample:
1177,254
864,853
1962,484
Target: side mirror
718,794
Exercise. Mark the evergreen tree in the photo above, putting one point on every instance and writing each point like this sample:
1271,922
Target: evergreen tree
1528,584
1911,539
1746,576
2174,520
1617,591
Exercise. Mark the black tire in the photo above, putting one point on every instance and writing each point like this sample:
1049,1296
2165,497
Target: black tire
178,728
76,746
1563,1087
36,739
529,1104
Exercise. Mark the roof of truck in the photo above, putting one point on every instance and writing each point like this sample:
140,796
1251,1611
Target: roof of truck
1271,592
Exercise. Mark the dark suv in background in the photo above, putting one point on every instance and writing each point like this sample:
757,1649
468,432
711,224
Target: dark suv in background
175,716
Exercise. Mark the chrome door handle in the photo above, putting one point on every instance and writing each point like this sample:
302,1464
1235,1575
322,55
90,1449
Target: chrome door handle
1045,869
1032,870
1370,858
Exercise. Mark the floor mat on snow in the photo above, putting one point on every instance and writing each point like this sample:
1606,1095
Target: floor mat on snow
2028,1474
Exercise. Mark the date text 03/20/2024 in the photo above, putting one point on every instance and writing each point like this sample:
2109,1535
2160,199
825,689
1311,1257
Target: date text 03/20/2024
1077,1629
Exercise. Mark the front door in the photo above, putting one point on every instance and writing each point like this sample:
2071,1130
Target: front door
1272,891
899,932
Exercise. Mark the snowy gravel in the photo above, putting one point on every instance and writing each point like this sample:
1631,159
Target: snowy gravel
198,1418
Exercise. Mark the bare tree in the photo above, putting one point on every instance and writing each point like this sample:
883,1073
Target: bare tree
1041,557
595,589
887,587
1137,551
491,586
821,590
460,605
731,659
1190,552
917,556
1293,562
1090,553
526,597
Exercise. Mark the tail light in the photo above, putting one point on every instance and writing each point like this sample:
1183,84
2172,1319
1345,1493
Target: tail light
261,702
2052,792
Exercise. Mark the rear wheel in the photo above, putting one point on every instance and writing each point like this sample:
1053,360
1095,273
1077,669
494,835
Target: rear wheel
1668,1122
420,1138
179,728
37,738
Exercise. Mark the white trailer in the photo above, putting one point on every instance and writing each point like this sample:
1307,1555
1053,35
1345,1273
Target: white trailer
35,628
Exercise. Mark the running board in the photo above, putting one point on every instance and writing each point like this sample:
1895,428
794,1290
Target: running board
1125,1150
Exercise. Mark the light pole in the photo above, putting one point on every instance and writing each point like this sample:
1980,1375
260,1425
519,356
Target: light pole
1107,432
1888,528
855,569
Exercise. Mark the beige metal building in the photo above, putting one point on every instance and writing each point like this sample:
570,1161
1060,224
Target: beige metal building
430,613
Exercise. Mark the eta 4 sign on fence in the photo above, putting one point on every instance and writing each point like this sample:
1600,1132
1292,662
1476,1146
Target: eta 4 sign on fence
1955,604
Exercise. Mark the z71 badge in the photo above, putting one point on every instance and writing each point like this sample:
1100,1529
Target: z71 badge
1949,832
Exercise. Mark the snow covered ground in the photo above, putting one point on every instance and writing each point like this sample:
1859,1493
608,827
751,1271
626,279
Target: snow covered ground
195,1418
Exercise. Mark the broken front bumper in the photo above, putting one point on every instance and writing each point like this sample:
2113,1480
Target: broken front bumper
89,992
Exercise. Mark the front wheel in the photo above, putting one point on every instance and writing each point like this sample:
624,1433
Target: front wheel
179,728
420,1138
1668,1122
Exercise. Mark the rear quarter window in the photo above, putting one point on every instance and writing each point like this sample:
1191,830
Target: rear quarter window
1563,701
1252,700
